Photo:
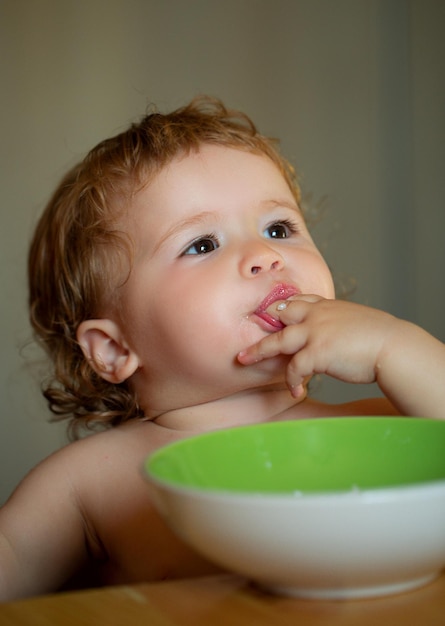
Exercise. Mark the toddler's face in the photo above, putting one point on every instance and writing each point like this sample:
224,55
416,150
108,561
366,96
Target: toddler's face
218,235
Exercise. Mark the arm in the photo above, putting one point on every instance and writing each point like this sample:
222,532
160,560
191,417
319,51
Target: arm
42,531
357,344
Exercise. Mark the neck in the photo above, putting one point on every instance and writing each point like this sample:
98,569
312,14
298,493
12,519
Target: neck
247,407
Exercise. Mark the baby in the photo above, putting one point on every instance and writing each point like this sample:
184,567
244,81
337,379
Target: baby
176,288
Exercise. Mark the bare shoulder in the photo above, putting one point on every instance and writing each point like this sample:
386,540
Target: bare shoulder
65,477
100,464
84,457
112,447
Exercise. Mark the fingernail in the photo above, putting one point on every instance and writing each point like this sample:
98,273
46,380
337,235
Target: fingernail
281,306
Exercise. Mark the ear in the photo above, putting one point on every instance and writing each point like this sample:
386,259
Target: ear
106,350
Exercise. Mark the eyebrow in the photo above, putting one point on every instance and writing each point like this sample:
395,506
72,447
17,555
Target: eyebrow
200,219
195,220
285,204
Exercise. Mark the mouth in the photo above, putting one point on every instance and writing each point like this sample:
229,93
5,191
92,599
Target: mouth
279,292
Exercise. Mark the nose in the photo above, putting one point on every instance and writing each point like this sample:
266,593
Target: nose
259,258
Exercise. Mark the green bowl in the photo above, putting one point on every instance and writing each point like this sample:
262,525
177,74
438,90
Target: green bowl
338,507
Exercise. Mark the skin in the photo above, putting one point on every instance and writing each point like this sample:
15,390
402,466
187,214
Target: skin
206,342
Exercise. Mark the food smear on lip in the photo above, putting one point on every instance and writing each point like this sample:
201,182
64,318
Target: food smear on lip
279,292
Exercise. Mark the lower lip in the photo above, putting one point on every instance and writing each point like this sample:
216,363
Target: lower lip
268,323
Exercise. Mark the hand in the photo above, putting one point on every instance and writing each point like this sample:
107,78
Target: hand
341,339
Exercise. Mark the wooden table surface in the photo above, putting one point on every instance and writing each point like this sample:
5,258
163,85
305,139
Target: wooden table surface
221,600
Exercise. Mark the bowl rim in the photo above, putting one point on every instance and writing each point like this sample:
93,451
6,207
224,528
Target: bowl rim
422,488
371,495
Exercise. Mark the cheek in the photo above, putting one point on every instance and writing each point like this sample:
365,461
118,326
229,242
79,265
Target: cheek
189,329
320,281
328,290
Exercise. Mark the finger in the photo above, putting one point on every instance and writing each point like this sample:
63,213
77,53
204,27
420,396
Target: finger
287,341
288,311
299,369
298,391
256,353
294,309
305,297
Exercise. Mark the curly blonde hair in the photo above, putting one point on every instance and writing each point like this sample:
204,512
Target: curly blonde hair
76,245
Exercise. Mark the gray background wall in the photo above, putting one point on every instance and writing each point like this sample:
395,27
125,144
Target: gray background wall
355,89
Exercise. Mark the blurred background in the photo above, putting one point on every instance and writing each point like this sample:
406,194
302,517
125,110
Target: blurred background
355,89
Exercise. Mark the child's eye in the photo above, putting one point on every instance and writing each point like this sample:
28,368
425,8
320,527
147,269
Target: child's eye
281,230
203,245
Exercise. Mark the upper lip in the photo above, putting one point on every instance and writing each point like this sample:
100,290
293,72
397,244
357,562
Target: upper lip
279,292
